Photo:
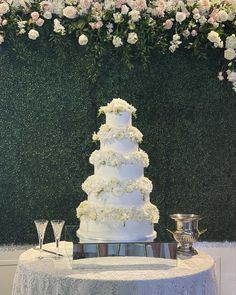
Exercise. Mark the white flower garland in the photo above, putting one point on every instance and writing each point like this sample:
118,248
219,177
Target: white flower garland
117,105
96,185
114,159
106,133
191,24
148,212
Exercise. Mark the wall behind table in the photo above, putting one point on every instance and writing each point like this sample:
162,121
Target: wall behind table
48,113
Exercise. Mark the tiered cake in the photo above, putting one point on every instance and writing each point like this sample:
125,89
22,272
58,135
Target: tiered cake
118,206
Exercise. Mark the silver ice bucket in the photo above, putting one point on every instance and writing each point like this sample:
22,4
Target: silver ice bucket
186,232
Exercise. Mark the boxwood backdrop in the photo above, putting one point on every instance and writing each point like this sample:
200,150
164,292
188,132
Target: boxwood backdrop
48,112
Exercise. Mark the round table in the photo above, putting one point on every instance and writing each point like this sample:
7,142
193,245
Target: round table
113,275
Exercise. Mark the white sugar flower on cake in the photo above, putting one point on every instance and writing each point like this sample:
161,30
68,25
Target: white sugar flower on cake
117,105
97,186
149,213
110,158
107,133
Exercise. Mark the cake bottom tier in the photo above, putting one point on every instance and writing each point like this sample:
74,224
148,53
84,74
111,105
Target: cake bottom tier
131,231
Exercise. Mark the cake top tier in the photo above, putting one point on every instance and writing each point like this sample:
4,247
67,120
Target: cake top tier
117,105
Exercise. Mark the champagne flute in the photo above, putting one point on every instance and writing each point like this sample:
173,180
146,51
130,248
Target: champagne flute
41,225
57,226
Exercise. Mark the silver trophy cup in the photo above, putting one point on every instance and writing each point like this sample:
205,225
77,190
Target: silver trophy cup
186,232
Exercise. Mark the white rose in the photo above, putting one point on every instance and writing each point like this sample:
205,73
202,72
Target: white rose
213,37
229,54
176,37
231,76
132,38
83,40
222,16
118,18
180,16
231,42
70,12
33,34
202,20
109,4
117,42
196,16
124,9
135,15
4,8
47,15
1,39
231,16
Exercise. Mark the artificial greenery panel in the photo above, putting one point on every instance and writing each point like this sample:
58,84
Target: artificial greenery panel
137,28
48,114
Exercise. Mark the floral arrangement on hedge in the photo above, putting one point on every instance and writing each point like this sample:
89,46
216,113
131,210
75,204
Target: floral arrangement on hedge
141,25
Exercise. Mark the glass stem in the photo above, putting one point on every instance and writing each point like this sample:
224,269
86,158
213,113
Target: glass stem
57,245
40,247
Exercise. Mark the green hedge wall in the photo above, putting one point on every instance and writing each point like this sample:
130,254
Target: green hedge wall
49,112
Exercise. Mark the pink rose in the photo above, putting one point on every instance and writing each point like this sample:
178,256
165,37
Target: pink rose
39,22
194,33
97,7
93,26
211,20
96,25
204,5
168,24
34,15
138,4
85,4
159,12
46,6
214,14
119,3
99,24
4,8
231,76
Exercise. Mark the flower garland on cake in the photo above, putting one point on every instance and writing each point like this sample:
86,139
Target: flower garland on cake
106,134
117,105
106,157
146,25
97,186
148,212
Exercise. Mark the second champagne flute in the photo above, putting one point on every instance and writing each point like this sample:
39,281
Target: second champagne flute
57,226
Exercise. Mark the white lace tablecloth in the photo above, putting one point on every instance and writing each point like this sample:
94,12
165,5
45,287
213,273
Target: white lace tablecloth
113,275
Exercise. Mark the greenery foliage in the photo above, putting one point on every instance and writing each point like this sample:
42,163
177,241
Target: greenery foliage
48,114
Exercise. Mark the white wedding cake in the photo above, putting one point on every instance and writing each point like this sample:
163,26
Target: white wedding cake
118,206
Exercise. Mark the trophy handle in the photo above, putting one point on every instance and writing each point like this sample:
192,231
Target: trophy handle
170,231
202,231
